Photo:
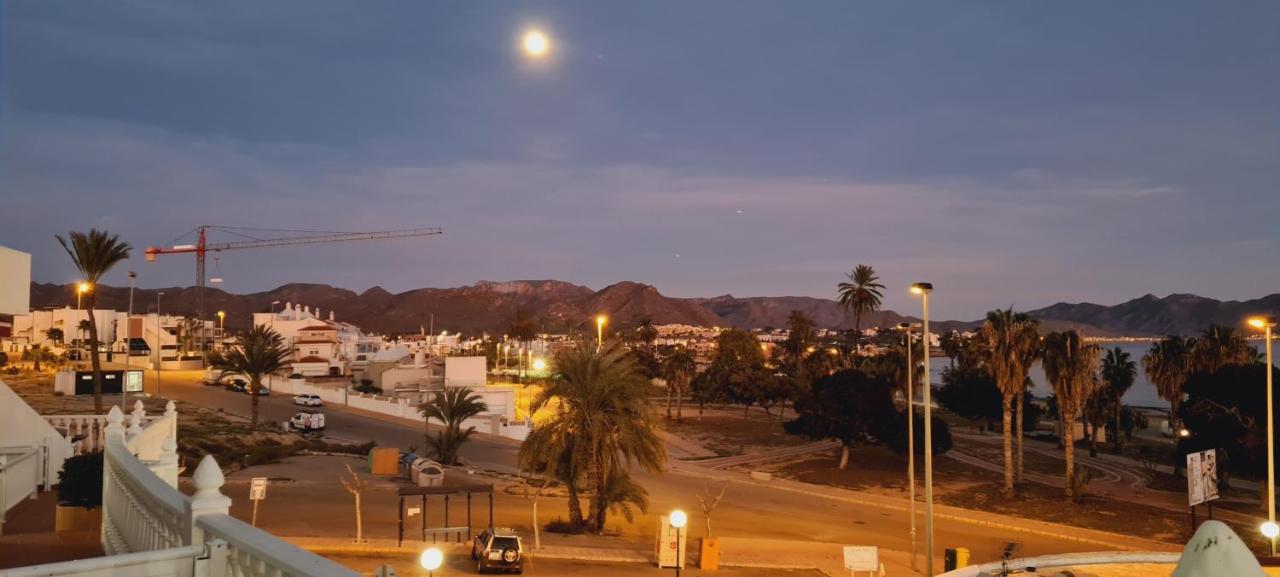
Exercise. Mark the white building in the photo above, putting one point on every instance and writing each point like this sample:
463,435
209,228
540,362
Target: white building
321,346
165,338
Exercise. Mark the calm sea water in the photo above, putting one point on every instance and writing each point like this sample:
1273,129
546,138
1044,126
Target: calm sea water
1143,393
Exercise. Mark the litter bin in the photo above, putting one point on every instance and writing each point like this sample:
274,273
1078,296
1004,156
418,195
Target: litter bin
957,558
427,473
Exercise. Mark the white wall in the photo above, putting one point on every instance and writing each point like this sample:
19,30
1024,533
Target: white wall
465,371
15,282
22,426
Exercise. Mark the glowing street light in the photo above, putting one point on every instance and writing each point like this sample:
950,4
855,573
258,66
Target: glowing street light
535,43
431,559
222,317
1266,323
600,321
1270,530
678,520
82,288
923,289
539,365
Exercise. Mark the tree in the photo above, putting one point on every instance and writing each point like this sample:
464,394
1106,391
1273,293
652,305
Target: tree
255,354
523,330
601,425
708,503
452,406
1227,409
1118,374
860,294
971,393
355,485
1069,366
952,345
738,368
1219,346
1011,342
852,406
1167,363
94,253
56,335
4,359
188,330
679,370
619,494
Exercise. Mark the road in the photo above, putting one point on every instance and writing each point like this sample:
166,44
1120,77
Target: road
748,509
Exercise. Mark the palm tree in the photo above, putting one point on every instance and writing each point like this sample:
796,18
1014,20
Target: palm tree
601,424
620,494
451,406
1118,374
1219,346
1069,366
94,253
523,329
860,294
256,354
1167,363
679,371
1011,341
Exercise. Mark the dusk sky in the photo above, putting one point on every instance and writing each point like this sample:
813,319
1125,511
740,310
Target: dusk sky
1014,153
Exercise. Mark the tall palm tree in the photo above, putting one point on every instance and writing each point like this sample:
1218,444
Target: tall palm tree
524,330
679,370
94,253
601,418
1118,374
451,406
1167,363
1069,365
860,294
1011,341
256,354
1219,346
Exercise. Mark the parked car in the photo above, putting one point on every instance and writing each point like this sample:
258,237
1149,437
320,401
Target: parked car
236,385
307,422
262,390
308,400
498,550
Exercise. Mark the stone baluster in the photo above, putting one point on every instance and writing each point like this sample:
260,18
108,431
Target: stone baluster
208,498
171,415
135,419
166,464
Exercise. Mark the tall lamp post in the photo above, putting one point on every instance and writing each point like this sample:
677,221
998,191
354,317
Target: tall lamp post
678,520
600,321
128,345
1269,529
923,289
911,441
81,288
159,344
431,559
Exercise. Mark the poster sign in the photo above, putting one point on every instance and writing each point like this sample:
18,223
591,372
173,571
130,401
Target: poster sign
258,489
1202,477
133,381
858,558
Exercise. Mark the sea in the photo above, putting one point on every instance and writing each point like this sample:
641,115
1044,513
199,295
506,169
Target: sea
1142,394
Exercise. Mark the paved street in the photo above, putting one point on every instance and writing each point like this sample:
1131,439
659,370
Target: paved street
748,509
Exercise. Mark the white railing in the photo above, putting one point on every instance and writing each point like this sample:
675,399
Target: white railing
149,528
1069,560
20,476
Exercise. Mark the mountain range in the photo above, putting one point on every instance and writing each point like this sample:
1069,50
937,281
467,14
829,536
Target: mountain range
557,305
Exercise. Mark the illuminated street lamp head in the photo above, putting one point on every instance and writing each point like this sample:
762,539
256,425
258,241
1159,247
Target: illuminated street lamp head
1270,530
921,288
431,559
1262,322
535,43
222,314
83,287
539,365
600,320
678,519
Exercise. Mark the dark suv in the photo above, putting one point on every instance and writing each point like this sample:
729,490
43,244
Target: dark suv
498,550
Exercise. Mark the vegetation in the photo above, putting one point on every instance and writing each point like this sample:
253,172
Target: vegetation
55,334
851,406
94,253
600,424
523,329
356,485
679,370
1219,346
1069,366
739,371
1011,341
80,481
1118,374
256,354
451,406
860,294
971,392
1167,364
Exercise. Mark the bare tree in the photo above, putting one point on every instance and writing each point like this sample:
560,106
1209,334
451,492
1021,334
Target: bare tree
355,485
709,503
532,492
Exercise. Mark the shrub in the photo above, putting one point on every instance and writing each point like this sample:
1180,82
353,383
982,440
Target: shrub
563,527
4,359
80,481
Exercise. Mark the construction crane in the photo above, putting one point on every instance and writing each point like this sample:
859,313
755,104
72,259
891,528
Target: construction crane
202,247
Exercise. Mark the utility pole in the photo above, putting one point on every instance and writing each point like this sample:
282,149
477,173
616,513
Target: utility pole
128,349
159,345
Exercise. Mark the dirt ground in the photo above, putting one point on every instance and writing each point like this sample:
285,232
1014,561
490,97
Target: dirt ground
725,432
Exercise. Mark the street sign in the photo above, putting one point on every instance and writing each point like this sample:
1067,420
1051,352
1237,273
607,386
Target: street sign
413,511
858,558
258,489
1202,477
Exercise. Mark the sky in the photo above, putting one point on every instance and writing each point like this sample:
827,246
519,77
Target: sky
1013,153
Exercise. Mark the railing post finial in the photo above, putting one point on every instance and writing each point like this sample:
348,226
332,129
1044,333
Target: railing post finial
208,498
115,422
135,419
170,409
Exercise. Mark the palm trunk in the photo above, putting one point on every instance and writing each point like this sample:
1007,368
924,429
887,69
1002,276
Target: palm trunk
1093,441
1069,451
254,384
680,405
1007,422
575,506
359,521
1118,441
93,356
1017,436
537,533
844,456
669,400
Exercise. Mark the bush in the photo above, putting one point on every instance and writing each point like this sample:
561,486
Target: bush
563,527
4,359
80,481
366,386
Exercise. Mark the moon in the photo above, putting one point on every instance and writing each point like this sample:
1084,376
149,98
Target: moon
536,43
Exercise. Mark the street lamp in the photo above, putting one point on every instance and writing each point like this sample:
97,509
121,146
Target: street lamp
600,321
923,289
431,559
678,520
911,441
128,343
82,288
1266,323
535,43
159,344
1270,530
